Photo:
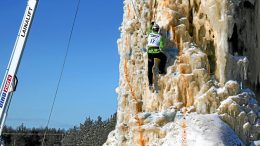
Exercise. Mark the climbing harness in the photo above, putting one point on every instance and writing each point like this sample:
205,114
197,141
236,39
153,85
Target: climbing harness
61,74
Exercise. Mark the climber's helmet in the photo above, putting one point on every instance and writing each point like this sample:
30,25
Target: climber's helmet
155,28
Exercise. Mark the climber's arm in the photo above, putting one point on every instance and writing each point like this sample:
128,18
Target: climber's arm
149,29
162,43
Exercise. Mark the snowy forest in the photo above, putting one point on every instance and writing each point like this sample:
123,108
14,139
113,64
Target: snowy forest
91,132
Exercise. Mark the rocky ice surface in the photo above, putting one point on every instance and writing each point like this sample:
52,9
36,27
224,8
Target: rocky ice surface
200,130
205,97
195,129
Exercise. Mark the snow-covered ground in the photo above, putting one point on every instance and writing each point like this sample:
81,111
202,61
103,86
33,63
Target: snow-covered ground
200,130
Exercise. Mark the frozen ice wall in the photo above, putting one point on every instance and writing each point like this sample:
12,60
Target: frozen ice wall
208,43
243,37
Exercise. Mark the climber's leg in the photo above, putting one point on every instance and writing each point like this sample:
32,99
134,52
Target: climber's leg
150,68
162,64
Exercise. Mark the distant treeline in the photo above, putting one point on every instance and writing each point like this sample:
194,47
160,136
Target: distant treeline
90,133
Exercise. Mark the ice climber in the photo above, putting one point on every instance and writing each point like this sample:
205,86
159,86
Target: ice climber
155,45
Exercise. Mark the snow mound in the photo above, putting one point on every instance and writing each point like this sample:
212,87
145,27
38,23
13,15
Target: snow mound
201,130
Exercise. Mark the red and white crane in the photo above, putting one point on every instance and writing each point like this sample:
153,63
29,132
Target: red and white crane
9,82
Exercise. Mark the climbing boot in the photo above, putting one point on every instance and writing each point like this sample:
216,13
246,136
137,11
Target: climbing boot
162,72
151,87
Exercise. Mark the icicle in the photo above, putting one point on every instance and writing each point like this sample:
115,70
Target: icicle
245,67
242,63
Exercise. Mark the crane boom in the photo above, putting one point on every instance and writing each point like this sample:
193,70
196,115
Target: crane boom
9,81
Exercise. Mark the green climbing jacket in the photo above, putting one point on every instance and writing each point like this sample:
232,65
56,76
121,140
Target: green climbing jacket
155,42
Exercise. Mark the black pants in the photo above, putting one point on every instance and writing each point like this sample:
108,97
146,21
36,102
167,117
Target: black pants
162,64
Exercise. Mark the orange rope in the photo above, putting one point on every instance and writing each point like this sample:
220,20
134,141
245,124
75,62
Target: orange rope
154,11
138,109
185,90
177,40
184,130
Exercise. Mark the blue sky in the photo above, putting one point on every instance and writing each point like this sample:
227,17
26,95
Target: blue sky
91,72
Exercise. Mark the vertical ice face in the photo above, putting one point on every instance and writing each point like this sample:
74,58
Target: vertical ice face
208,44
243,35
